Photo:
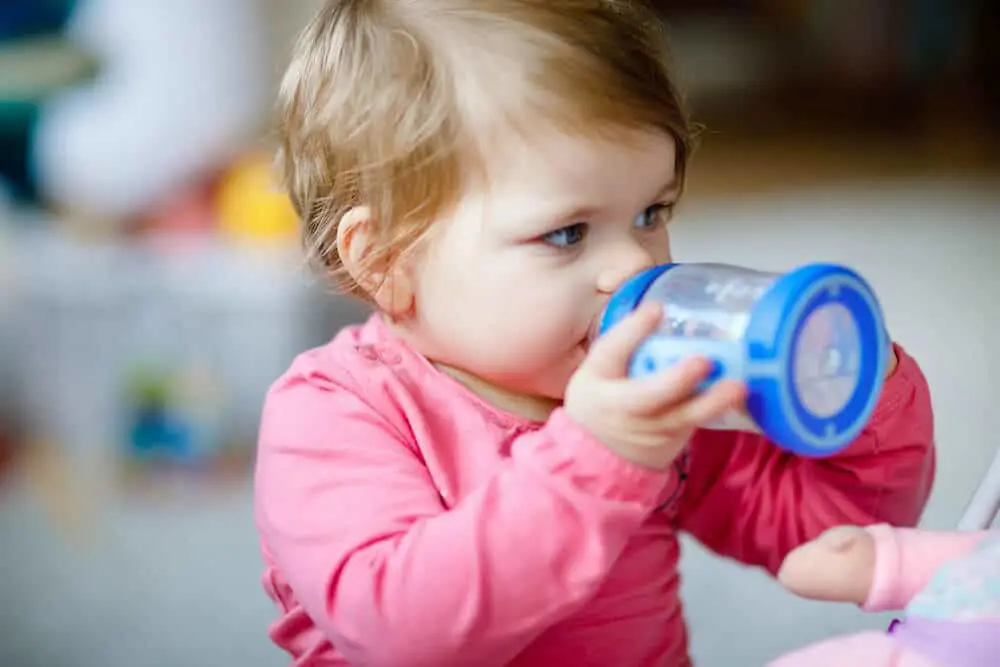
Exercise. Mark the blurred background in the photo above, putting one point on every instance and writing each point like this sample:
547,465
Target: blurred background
150,287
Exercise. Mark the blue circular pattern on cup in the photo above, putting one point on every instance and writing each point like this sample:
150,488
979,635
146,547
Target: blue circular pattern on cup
776,324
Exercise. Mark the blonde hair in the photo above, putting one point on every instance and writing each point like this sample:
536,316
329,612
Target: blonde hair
386,103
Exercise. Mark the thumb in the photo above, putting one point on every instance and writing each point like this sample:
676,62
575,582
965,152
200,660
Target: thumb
609,355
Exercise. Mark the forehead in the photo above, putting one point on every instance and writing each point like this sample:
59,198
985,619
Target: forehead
604,168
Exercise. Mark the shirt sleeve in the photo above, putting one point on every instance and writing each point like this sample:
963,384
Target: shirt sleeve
751,501
390,576
906,560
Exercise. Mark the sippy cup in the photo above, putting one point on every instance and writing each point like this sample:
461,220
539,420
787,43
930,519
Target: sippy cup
810,345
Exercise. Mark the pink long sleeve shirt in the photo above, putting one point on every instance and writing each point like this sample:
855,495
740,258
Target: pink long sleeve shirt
407,523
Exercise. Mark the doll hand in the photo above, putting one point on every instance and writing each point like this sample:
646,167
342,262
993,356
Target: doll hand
891,363
837,566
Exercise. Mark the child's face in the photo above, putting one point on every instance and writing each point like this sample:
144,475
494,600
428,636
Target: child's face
511,286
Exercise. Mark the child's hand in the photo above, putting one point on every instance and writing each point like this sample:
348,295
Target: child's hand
838,566
646,420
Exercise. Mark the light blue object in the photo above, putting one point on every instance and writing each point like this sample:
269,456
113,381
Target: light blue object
810,345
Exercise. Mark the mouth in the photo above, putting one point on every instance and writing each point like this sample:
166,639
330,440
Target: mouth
595,329
592,332
590,335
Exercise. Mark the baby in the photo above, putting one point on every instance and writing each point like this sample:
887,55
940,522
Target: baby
467,478
948,583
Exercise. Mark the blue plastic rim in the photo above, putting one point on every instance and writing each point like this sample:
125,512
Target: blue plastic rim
775,326
628,297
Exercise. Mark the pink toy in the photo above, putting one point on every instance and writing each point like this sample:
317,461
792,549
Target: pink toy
947,583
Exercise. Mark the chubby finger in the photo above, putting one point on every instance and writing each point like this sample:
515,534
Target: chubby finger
658,392
707,406
610,354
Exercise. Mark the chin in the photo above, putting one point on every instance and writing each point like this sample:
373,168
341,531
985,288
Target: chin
555,395
544,383
544,386
556,390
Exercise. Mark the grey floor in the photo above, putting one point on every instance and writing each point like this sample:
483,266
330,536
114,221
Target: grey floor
175,582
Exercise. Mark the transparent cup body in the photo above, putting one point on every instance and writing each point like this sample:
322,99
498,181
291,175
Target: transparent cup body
712,301
706,310
709,305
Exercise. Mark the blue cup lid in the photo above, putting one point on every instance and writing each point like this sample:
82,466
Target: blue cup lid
819,407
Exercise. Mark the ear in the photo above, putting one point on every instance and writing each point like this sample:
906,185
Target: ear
388,286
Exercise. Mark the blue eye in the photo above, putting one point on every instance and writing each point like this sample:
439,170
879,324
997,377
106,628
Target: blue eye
566,236
653,216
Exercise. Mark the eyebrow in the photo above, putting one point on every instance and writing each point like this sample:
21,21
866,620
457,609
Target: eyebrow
669,189
573,211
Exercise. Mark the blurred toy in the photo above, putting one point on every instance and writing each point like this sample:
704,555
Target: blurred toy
37,67
240,205
181,87
173,418
948,582
176,423
25,19
188,214
37,60
251,208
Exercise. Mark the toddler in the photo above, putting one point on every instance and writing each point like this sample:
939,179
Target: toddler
466,479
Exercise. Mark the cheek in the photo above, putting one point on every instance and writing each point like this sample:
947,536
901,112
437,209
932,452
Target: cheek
498,319
535,317
658,247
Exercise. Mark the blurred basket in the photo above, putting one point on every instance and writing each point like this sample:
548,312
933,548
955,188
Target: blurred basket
112,339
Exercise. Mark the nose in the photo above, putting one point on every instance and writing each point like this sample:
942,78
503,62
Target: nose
623,265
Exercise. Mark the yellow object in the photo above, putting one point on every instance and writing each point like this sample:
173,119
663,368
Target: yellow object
250,206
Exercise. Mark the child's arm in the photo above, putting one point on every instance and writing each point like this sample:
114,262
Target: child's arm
751,501
351,516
